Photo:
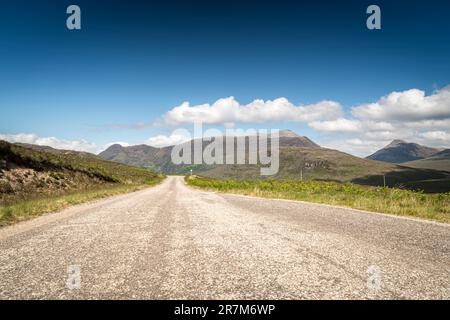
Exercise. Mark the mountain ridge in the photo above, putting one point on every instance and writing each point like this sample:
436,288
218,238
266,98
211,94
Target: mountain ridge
300,158
399,151
159,158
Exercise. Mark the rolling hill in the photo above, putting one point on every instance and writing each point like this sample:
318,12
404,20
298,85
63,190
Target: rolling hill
399,151
438,161
140,155
28,171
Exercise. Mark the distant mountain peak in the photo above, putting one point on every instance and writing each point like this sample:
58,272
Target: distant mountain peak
289,138
286,133
396,143
115,146
399,151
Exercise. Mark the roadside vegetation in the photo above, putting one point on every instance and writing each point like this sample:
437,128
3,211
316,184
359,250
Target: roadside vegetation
26,209
33,182
378,199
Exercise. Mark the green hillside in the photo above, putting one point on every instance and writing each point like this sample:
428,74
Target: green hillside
33,181
322,164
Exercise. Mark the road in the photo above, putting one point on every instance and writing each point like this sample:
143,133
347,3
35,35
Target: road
175,242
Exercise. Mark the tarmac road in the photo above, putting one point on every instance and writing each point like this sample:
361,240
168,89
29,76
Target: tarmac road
175,242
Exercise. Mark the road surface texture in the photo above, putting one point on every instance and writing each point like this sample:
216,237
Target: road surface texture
175,242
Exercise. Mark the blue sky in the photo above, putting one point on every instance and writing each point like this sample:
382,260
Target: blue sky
132,62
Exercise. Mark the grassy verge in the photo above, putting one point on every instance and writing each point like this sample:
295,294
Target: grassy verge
387,200
27,209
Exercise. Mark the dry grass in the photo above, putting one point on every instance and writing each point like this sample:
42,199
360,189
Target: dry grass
26,209
33,182
387,200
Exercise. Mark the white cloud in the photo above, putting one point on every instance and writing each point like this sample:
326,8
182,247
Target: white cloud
344,125
355,146
426,124
177,137
440,136
409,115
338,125
164,141
410,105
227,111
77,145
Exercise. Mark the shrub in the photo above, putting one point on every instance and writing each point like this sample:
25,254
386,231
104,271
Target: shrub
5,187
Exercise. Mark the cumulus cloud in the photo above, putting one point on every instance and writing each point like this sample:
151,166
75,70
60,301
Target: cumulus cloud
410,115
228,111
77,145
412,106
350,125
424,124
409,105
355,146
175,138
338,125
437,136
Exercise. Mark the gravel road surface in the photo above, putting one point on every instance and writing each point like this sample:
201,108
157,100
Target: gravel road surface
175,242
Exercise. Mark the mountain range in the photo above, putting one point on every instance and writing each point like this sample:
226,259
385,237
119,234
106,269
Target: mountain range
301,158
